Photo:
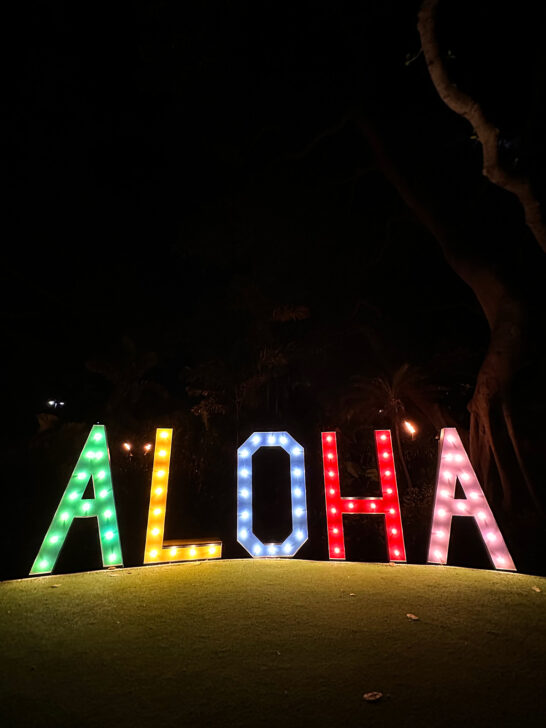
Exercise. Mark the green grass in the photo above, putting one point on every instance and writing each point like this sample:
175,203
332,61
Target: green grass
273,643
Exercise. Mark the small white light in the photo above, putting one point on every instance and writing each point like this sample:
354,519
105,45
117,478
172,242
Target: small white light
329,438
299,534
351,504
445,493
101,474
296,451
474,495
244,473
392,511
243,453
244,515
383,437
256,440
245,492
447,475
451,440
109,535
287,548
394,531
449,457
491,537
331,473
459,458
332,491
271,439
388,473
243,533
297,492
335,530
389,491
396,552
297,472
438,554
272,549
461,506
73,495
465,476
336,550
482,515
283,439
299,512
442,512
372,505
257,549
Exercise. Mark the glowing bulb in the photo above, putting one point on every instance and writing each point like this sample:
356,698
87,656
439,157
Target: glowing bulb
331,473
383,437
299,534
193,552
155,531
389,491
465,476
283,440
442,512
474,495
126,446
43,563
245,492
153,553
287,548
297,492
271,439
396,552
164,435
438,554
297,472
257,549
172,551
372,505
449,457
445,493
90,455
53,539
440,534
388,473
162,453
212,550
256,439
451,439
272,549
447,475
101,474
243,533
335,530
243,453
336,550
299,512
244,515
459,458
394,531
103,493
296,451
482,515
73,495
244,473
109,535
333,510
81,476
158,490
160,474
86,507
392,511
107,513
330,456
501,559
332,491
351,504
64,516
148,447
157,511
461,506
113,556
385,454
491,537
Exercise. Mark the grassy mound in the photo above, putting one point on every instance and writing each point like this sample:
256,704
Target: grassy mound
273,643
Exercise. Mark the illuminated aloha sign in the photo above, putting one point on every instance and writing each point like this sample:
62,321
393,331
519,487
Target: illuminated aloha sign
93,466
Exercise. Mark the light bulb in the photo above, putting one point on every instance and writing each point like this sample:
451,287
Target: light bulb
257,549
335,530
155,531
244,515
296,451
271,439
81,476
256,439
336,550
297,472
394,531
351,504
107,513
372,505
383,437
53,539
396,552
158,491
162,453
245,492
244,473
160,474
297,492
389,491
103,493
388,473
329,438
243,533
243,453
153,553
193,552
283,440
73,495
299,512
157,511
333,510
101,474
212,550
172,551
164,435
86,507
109,535
299,534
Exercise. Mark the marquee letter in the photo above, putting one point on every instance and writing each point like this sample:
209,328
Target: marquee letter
156,550
453,465
245,534
387,505
94,463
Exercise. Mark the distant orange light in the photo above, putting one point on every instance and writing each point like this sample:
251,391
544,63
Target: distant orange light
409,427
127,446
147,447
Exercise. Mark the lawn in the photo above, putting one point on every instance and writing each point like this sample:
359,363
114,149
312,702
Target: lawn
273,643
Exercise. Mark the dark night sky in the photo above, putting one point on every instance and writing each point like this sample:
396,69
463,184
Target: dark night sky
164,186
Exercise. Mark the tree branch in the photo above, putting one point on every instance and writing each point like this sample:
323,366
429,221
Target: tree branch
467,107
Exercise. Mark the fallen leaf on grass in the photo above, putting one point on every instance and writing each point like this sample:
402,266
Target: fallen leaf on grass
352,594
536,588
372,697
54,586
412,617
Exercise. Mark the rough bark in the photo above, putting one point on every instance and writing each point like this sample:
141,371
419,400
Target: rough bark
494,447
464,105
